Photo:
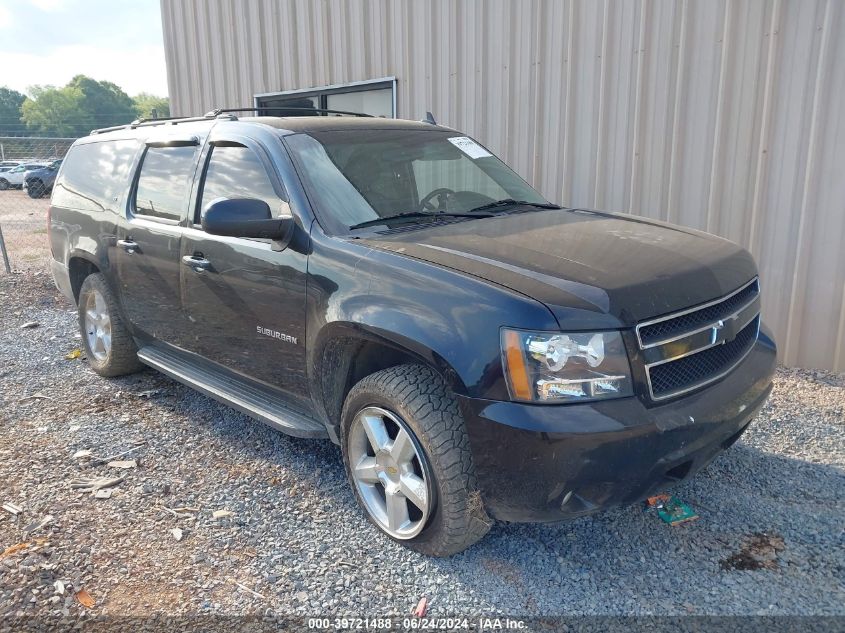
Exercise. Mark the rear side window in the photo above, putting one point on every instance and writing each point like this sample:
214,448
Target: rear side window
235,171
95,175
164,181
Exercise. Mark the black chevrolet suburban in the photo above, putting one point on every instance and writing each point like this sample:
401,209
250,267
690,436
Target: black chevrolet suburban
477,352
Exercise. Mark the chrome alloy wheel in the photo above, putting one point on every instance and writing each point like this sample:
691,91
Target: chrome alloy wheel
391,472
97,326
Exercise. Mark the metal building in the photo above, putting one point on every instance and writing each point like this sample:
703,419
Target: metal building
723,115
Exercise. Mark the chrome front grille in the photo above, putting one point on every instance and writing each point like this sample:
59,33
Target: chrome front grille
692,348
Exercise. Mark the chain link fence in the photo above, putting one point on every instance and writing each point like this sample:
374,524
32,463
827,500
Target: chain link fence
28,167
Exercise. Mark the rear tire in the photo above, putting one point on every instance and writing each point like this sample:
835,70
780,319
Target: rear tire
110,349
4,184
415,399
35,189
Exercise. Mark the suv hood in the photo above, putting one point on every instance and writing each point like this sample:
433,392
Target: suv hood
584,265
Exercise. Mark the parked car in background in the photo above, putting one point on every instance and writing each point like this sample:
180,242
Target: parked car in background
13,179
39,182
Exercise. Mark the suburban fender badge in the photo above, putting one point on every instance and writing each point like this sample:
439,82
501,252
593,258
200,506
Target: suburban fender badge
287,338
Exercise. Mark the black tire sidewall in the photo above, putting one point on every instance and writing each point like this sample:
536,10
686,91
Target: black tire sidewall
35,189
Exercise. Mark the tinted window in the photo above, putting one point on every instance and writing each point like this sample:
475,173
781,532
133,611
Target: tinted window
94,174
164,181
236,172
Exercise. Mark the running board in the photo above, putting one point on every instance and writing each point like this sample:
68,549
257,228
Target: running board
231,389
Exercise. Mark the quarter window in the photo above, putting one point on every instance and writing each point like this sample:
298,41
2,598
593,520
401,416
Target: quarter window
235,171
164,181
95,175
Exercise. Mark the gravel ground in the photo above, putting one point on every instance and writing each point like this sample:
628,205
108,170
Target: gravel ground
769,539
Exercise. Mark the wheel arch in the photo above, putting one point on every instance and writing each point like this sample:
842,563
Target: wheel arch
346,353
80,266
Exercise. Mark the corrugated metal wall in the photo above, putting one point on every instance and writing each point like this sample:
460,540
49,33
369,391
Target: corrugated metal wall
721,115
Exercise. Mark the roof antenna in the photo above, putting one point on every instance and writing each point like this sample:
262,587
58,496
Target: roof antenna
429,118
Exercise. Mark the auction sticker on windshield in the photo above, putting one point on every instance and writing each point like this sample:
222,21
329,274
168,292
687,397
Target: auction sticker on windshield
469,147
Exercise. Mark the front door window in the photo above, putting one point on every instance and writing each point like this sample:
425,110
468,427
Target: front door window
235,171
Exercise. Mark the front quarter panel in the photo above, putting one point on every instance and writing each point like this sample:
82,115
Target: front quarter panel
444,318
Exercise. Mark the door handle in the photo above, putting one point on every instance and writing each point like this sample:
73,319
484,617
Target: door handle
196,262
128,245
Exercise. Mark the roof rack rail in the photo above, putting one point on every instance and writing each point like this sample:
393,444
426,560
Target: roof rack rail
172,120
220,111
213,114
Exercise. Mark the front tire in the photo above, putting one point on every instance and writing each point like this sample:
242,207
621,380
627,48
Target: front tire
110,349
407,457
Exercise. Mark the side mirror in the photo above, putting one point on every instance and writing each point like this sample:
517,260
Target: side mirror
245,217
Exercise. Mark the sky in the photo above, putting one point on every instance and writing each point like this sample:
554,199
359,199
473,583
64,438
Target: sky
50,41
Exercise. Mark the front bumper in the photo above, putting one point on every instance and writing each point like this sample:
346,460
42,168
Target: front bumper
553,462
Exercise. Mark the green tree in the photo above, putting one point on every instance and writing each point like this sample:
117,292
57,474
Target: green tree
104,103
81,106
10,111
145,103
51,111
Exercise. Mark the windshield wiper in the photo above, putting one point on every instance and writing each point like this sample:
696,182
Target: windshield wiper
419,214
510,202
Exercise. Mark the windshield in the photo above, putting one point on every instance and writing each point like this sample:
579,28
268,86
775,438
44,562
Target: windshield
355,176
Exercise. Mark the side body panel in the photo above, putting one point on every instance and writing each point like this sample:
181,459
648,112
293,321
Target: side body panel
148,276
246,311
147,250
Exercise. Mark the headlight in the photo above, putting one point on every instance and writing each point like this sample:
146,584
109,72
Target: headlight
558,367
